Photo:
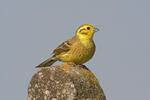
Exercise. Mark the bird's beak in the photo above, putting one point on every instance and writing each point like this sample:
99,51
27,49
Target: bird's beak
96,29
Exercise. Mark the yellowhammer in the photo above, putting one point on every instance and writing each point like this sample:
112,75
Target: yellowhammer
77,50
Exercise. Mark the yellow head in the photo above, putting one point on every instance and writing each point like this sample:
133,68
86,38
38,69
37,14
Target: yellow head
86,31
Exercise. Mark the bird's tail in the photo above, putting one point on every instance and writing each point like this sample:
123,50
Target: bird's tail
47,62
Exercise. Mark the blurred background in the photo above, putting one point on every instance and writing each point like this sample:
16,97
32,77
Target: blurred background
31,29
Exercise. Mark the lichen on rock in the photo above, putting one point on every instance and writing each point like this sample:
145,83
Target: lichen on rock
64,82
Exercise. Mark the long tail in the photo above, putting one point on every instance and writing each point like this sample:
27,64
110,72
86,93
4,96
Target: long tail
47,62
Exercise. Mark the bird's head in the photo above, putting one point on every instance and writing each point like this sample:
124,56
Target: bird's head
86,31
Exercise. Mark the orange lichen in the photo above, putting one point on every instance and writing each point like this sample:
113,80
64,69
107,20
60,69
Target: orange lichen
98,97
88,84
90,74
66,66
63,69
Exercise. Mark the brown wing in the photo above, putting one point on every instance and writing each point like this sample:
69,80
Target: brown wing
64,47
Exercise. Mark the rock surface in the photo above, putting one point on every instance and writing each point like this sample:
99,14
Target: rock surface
64,82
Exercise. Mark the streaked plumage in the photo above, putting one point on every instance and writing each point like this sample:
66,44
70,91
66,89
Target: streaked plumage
78,50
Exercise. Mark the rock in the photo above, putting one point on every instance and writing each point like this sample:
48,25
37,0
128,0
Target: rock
65,82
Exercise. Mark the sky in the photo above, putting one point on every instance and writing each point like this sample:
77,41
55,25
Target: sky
31,29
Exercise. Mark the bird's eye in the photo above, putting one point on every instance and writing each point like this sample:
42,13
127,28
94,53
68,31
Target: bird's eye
88,28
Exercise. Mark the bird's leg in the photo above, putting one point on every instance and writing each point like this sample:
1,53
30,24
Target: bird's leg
83,66
74,65
71,63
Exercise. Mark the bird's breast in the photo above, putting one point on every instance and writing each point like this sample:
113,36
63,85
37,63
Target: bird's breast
80,52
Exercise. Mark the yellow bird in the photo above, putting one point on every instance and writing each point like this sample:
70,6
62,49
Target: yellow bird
77,50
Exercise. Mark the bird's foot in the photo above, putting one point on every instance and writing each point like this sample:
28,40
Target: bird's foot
72,64
83,66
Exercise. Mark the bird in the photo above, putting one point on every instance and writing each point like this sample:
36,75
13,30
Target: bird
75,51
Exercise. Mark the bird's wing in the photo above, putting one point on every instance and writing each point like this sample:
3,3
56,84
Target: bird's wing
64,47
